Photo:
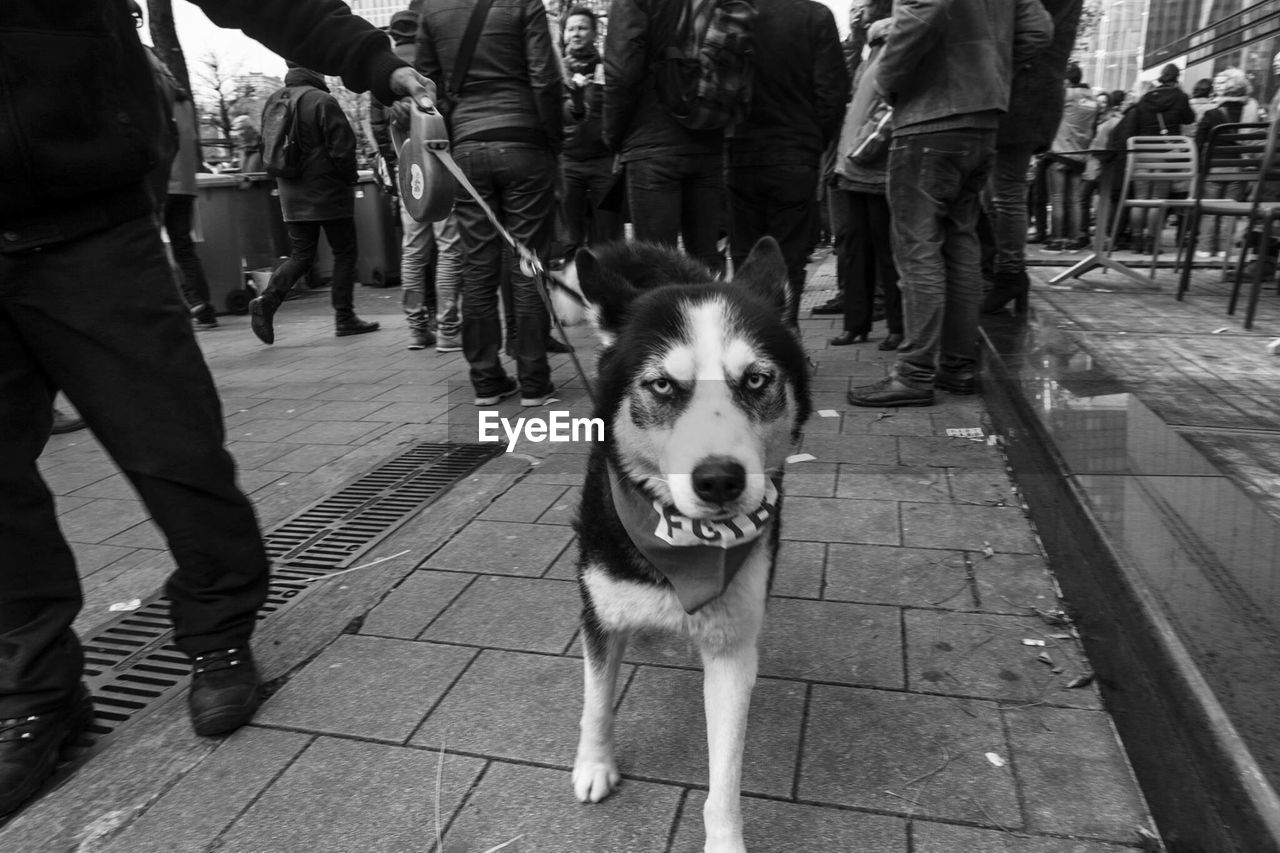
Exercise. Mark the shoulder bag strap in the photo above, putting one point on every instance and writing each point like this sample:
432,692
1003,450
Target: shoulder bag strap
467,48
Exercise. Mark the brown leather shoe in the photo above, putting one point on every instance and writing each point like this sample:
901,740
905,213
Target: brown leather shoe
955,383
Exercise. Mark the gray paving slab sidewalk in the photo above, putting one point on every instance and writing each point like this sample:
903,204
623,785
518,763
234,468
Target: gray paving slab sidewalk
912,696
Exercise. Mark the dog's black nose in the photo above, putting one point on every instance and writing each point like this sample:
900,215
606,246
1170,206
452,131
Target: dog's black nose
719,480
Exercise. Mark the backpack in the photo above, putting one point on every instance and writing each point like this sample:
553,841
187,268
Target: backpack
705,83
282,154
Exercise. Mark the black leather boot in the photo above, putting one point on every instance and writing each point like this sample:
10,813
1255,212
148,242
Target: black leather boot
1009,287
261,312
224,691
30,746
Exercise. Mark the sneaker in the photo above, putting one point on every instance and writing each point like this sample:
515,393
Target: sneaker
224,691
444,345
421,338
204,324
354,326
510,388
539,399
31,745
889,393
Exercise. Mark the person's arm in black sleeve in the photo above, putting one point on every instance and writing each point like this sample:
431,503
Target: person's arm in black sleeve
830,76
318,34
624,69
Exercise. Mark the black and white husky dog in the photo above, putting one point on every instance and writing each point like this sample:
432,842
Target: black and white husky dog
703,390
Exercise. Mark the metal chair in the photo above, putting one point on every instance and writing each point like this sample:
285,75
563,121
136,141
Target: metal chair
1258,212
1232,154
1156,159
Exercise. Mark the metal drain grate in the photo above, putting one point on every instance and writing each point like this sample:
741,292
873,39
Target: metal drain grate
130,664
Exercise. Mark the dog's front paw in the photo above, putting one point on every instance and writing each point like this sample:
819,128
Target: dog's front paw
594,780
733,845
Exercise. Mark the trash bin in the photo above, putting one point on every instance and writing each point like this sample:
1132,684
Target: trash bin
378,230
239,226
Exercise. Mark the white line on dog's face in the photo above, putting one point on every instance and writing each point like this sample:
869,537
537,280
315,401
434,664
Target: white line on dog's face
711,398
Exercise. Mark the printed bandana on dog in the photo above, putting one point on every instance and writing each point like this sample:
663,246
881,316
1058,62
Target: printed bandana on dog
698,557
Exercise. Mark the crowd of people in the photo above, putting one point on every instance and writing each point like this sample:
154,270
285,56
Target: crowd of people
925,132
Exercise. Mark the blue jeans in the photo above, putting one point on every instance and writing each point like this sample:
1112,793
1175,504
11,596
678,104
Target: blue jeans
120,346
518,182
679,196
935,183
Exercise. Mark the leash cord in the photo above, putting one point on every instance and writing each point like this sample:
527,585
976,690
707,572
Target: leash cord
530,263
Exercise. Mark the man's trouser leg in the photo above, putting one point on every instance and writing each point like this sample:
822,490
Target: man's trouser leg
120,345
935,182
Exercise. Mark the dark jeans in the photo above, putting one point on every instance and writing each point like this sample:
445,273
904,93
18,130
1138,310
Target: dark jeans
120,345
863,239
518,182
178,210
781,201
1009,190
935,184
304,240
679,197
583,184
1067,217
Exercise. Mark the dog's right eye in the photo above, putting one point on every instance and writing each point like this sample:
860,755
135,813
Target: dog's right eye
661,386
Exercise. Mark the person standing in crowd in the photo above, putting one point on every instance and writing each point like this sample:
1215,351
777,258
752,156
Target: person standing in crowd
1202,100
504,106
946,70
180,198
88,306
1163,111
586,164
1091,183
1036,101
800,89
248,144
417,242
674,175
861,214
320,197
1075,131
1232,103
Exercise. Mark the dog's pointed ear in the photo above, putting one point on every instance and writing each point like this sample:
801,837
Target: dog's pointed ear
610,293
764,273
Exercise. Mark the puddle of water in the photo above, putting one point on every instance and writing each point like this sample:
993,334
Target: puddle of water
1208,552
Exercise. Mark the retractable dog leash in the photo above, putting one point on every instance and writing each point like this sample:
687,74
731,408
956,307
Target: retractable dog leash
428,177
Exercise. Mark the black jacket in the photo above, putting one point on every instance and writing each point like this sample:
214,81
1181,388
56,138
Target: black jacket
1162,111
635,121
323,190
79,114
1036,99
799,89
513,88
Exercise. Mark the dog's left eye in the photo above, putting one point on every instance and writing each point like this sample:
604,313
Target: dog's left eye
755,381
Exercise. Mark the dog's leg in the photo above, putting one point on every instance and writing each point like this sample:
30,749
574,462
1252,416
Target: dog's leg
595,774
729,676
